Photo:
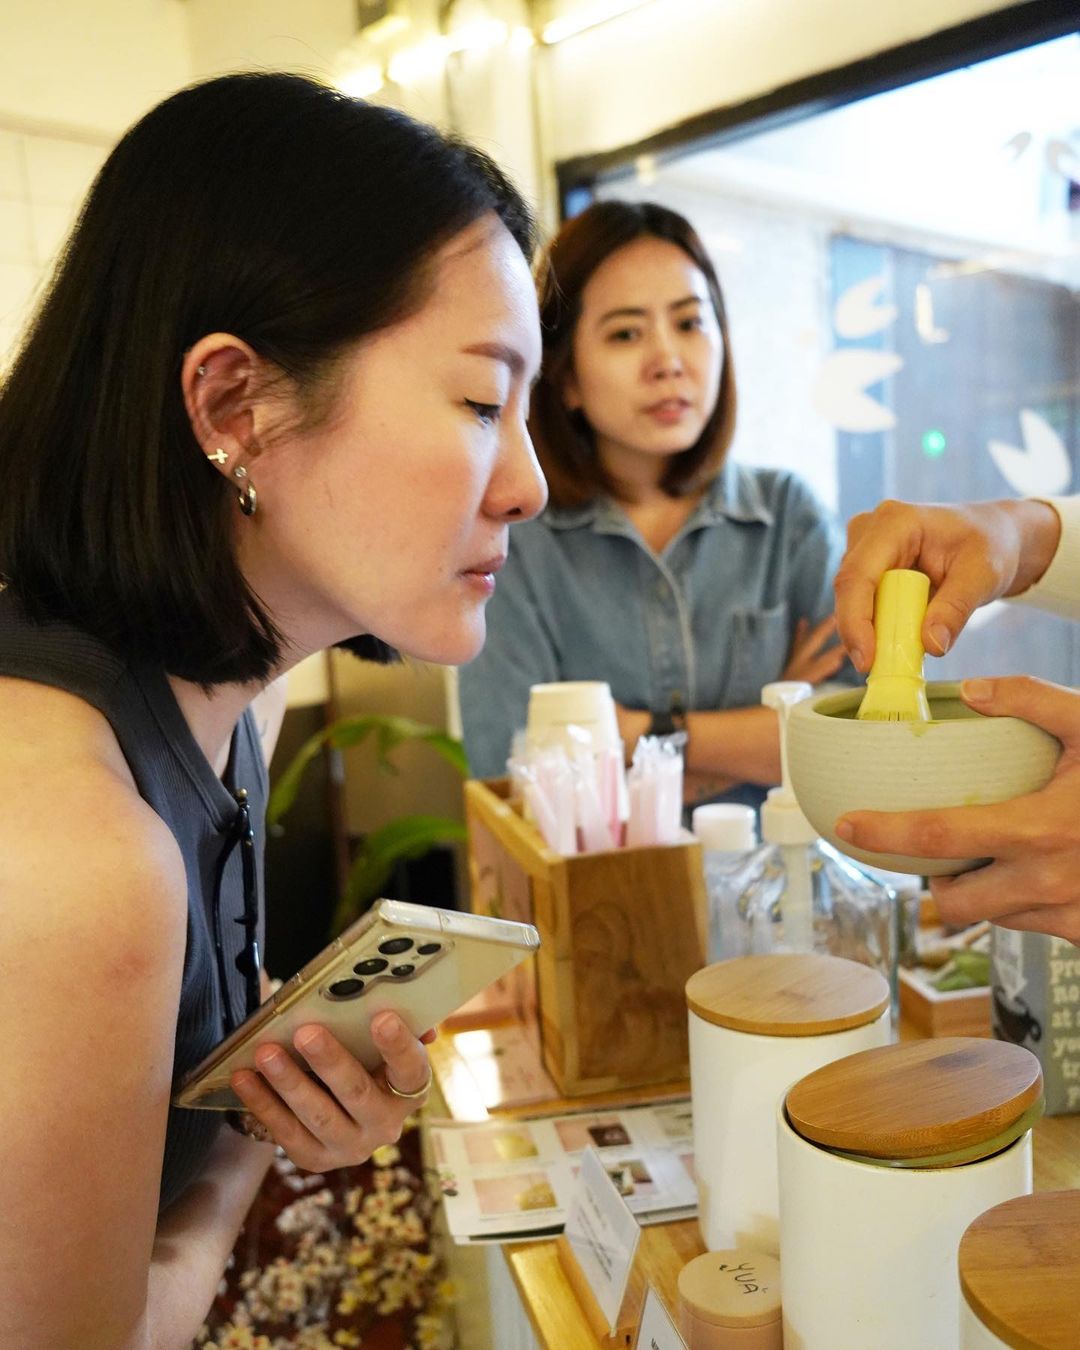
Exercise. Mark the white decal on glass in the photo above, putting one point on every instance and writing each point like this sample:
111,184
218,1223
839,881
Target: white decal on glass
840,393
1042,467
857,316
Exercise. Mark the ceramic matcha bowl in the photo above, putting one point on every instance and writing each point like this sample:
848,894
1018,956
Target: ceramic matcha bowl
958,758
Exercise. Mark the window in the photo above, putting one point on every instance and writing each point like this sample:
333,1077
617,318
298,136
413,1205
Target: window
903,281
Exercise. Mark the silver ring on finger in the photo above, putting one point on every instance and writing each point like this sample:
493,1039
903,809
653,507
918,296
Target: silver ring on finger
416,1096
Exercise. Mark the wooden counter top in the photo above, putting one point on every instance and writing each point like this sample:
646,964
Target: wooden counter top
557,1318
551,1305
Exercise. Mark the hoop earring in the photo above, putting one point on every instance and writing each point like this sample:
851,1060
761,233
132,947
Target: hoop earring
246,494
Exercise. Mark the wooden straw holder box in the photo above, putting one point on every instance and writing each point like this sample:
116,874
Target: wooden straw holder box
621,933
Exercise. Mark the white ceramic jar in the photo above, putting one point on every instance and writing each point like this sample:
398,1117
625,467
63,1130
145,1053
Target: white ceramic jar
1019,1267
757,1024
884,1159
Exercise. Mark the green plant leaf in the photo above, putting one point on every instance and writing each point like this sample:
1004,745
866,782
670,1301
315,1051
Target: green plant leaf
401,840
389,732
288,784
380,851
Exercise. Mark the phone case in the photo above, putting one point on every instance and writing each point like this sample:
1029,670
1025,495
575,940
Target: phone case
423,963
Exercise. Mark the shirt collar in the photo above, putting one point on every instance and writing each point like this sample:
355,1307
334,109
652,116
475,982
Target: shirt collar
734,494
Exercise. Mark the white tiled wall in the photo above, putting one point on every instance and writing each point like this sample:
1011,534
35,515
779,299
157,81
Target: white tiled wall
43,179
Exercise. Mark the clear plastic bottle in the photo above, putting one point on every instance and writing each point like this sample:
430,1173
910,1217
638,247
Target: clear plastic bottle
797,893
728,835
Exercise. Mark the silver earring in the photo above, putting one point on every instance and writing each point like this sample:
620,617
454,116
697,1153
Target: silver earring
200,370
219,456
247,496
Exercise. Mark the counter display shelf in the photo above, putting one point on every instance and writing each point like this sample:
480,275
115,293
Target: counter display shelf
536,1305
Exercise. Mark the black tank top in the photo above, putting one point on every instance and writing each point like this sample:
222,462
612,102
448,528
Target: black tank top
174,777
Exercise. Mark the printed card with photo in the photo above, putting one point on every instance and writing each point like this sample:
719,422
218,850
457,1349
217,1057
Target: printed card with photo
508,1179
580,1132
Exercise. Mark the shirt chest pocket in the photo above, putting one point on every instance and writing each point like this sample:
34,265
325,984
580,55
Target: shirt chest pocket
760,641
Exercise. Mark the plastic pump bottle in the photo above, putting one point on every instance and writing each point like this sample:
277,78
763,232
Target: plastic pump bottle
797,893
728,835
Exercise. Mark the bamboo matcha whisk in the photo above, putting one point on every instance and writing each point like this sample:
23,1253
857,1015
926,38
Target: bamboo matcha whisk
895,687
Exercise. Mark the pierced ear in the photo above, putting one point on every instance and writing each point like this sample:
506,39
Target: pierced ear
217,379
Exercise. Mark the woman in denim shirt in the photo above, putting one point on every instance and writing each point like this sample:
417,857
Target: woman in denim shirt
685,581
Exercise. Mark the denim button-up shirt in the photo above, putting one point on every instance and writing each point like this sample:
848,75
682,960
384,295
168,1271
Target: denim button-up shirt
709,620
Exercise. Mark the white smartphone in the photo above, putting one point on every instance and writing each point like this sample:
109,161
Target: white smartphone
422,963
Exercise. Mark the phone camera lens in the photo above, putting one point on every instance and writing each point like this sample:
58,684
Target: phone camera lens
371,966
392,946
402,970
430,948
346,988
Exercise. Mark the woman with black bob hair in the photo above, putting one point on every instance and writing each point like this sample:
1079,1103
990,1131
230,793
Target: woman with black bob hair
274,400
685,580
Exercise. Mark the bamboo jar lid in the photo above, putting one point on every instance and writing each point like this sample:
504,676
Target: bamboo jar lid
789,994
920,1100
1020,1270
737,1288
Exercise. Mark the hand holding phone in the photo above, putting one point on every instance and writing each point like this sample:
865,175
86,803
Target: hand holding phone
418,962
334,1113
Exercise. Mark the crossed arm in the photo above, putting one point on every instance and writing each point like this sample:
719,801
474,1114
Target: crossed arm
729,746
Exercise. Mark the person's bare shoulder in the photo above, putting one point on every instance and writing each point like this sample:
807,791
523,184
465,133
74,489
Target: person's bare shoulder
93,894
71,807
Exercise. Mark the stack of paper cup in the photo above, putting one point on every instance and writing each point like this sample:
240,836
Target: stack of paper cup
556,710
573,732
